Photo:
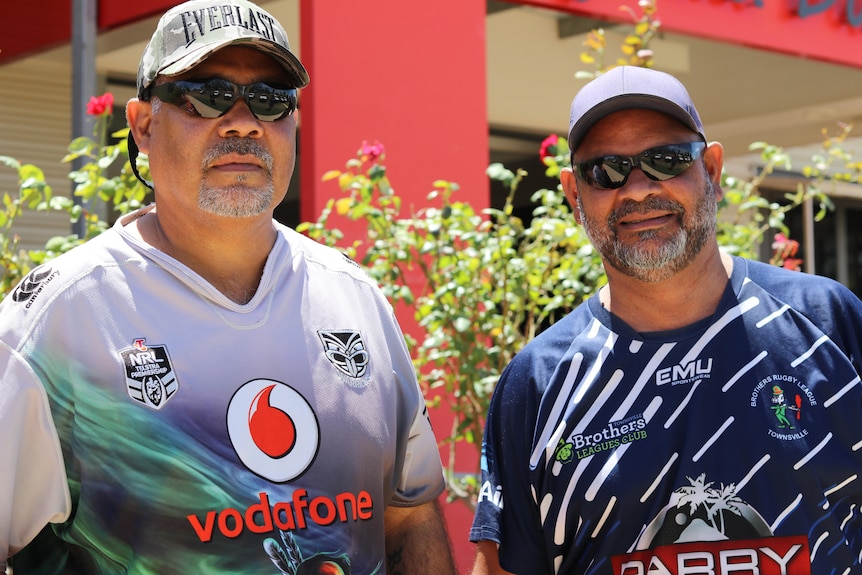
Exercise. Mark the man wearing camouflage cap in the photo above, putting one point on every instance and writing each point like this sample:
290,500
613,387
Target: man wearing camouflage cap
201,389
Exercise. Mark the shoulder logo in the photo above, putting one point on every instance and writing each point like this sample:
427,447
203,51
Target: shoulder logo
346,350
150,376
31,286
787,399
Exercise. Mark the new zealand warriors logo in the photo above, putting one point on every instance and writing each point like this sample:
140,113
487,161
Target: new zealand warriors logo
150,376
346,350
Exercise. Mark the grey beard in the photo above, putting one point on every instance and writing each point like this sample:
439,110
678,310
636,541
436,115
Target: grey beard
644,260
237,200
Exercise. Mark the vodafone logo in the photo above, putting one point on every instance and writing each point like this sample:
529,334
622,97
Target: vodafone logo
273,429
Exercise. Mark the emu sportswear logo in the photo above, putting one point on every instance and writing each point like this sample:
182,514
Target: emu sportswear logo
273,430
345,349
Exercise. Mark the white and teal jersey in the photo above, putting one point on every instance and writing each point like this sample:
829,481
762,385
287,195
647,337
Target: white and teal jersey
162,428
731,446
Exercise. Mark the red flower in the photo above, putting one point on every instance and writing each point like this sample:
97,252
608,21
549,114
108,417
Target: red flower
371,152
101,105
549,147
784,252
793,264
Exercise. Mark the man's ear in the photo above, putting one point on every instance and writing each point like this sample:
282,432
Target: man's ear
570,189
139,116
713,160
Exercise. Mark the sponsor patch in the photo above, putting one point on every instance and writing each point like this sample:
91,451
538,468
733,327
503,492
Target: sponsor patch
150,376
273,429
707,528
765,556
613,435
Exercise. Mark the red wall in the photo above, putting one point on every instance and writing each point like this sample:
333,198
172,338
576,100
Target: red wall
410,75
828,30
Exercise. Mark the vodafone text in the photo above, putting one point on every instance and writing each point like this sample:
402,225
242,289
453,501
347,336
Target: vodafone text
262,517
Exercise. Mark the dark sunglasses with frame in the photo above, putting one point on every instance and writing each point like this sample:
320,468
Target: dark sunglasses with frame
660,163
213,98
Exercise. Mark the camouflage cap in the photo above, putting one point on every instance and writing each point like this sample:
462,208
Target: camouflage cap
189,33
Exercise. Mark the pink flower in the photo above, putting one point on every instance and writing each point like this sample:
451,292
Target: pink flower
371,152
793,264
785,245
101,105
549,147
784,252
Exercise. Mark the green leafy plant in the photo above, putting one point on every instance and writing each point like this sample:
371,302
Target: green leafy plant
121,192
481,282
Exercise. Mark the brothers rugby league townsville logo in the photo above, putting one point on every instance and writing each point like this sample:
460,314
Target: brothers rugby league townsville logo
150,376
787,398
711,530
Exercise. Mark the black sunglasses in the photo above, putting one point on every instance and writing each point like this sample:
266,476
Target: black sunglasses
213,98
659,163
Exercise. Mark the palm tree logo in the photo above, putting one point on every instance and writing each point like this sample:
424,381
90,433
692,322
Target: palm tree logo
714,502
700,511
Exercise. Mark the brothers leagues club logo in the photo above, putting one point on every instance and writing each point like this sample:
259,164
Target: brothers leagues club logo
787,399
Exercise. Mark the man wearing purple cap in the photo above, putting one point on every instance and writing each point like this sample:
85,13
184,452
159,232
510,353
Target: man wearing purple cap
201,390
700,414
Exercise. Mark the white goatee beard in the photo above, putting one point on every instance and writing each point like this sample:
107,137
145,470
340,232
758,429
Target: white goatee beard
237,200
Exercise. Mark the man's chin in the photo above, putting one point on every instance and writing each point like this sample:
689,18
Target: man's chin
236,202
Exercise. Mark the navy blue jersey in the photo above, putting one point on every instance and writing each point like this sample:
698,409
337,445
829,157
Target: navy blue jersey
729,446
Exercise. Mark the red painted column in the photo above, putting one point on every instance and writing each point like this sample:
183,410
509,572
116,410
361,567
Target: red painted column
410,75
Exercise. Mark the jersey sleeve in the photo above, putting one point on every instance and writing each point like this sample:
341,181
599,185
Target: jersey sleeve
33,487
506,512
421,478
830,305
